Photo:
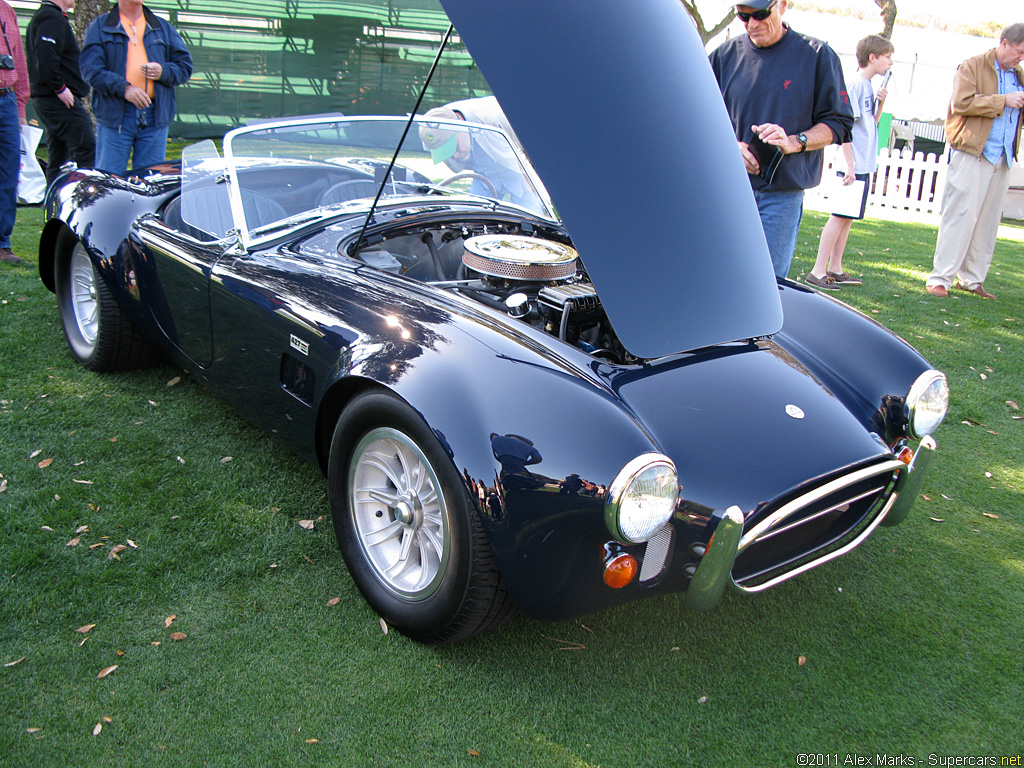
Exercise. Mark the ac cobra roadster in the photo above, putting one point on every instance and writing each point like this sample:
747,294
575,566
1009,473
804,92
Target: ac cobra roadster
557,381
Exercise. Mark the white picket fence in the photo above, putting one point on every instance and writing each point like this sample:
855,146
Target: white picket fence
906,187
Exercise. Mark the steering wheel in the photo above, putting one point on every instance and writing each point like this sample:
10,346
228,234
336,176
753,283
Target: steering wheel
470,175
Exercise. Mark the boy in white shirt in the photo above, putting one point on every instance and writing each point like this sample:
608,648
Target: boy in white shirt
874,57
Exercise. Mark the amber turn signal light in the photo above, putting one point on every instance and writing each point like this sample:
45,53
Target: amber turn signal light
906,455
619,570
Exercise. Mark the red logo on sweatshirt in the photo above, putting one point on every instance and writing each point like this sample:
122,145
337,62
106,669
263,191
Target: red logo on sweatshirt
785,85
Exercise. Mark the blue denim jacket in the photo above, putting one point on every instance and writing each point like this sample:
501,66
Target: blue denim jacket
105,55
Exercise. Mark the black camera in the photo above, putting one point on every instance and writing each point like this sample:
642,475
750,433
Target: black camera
6,61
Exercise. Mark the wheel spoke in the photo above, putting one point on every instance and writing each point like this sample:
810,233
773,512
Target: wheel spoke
389,532
380,461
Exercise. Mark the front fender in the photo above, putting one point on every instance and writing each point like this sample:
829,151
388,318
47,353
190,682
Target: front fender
862,362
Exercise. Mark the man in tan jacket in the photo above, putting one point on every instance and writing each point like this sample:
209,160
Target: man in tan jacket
983,126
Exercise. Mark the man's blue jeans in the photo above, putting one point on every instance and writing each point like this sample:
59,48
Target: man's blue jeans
137,136
781,212
10,162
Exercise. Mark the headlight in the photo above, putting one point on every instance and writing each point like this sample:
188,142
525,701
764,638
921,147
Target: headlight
927,403
642,498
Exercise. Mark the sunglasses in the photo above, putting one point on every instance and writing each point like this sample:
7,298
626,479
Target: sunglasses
756,15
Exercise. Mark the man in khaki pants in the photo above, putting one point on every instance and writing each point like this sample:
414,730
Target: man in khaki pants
983,125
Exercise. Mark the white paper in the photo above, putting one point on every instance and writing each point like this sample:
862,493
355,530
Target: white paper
842,199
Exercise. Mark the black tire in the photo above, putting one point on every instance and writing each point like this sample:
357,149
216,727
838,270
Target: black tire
99,336
413,542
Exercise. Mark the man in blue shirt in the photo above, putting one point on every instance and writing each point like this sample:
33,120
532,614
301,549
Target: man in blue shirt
983,126
787,101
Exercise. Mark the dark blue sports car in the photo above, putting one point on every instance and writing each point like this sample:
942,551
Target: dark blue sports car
560,395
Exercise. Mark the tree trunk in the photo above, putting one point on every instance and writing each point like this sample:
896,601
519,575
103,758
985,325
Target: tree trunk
707,34
888,16
86,11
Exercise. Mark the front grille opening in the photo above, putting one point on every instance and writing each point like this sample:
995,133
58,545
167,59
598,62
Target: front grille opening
810,531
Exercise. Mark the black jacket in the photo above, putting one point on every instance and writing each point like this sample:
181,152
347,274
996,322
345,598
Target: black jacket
51,51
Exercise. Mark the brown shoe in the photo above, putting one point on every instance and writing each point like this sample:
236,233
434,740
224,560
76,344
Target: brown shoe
826,283
937,290
6,254
977,290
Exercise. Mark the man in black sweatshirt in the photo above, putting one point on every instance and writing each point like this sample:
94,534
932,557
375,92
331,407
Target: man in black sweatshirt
58,89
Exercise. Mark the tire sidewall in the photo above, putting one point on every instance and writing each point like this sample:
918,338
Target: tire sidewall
430,617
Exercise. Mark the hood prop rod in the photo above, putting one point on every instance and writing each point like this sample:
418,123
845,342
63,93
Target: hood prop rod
408,125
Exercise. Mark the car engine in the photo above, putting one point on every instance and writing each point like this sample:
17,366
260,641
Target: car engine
537,280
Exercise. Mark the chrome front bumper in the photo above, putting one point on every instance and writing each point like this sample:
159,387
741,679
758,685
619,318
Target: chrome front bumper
714,573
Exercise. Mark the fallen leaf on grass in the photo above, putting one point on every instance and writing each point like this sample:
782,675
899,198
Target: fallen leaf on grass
1013,405
83,482
86,628
33,730
74,542
473,752
334,601
34,454
383,626
226,459
801,661
174,381
97,729
178,635
151,403
170,620
82,529
132,544
567,645
106,671
926,498
181,460
3,485
98,544
937,519
16,662
989,514
307,524
116,550
46,528
107,719
45,463
312,741
702,700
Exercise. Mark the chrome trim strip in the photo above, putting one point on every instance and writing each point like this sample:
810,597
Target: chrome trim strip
823,559
823,512
910,480
714,572
818,493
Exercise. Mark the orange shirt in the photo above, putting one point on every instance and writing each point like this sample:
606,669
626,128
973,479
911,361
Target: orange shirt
137,54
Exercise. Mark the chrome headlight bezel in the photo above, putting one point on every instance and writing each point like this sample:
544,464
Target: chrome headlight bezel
627,521
927,403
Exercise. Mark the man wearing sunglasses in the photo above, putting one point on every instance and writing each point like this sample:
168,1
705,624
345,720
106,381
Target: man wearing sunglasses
787,100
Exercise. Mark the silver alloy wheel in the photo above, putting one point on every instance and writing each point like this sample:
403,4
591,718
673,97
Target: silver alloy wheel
84,299
399,513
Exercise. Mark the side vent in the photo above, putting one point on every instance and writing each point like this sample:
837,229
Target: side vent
298,379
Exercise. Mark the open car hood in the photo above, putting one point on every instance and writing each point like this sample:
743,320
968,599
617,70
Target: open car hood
618,109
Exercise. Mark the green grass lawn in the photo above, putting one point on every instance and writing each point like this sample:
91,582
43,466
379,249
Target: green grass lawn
913,645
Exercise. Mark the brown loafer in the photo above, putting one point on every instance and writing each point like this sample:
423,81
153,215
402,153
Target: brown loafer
6,254
937,290
978,290
826,283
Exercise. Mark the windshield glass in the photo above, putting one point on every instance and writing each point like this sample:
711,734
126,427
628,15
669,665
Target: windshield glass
286,173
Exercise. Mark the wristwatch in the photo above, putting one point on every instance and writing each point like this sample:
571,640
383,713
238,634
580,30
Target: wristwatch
802,138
